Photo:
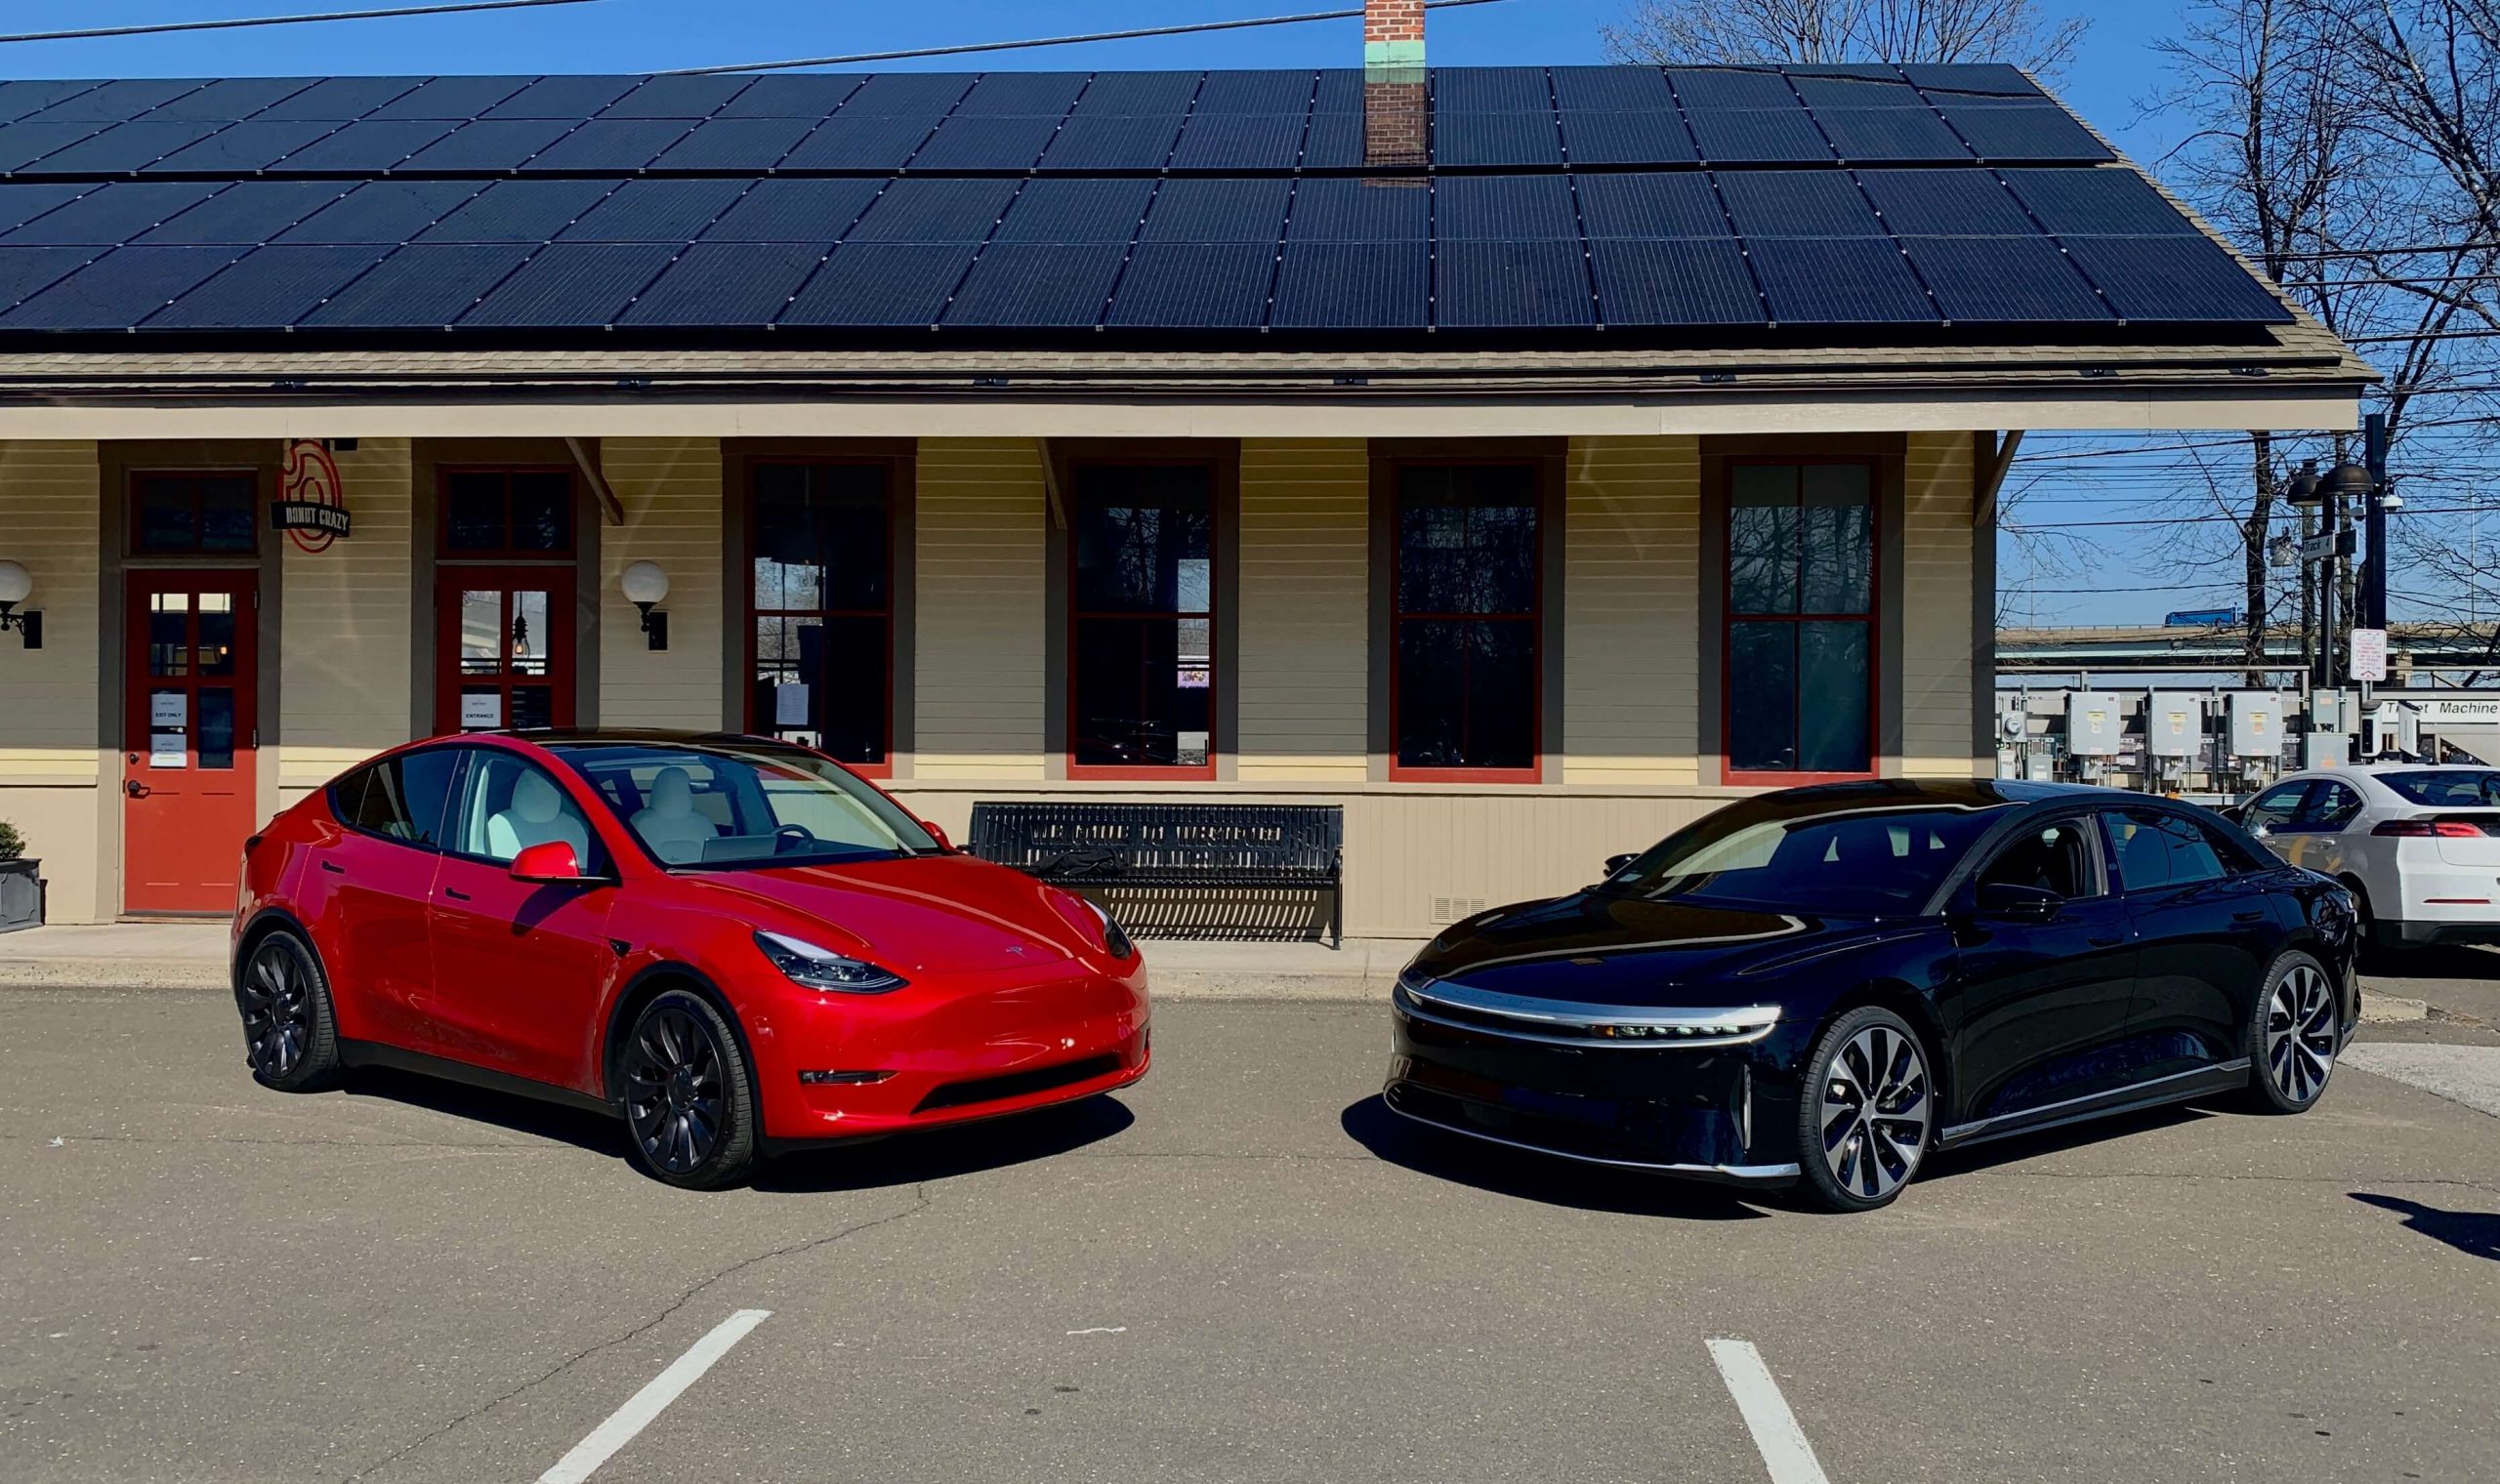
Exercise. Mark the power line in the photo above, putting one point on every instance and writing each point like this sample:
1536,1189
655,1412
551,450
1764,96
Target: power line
448,7
1193,28
2159,520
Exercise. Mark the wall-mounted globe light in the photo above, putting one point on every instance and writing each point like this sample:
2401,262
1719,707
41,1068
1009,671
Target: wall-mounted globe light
17,584
646,585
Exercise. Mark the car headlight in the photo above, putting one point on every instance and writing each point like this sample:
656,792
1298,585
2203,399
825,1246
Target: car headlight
1114,941
816,967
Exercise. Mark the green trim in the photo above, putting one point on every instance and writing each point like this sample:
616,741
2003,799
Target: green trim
1392,54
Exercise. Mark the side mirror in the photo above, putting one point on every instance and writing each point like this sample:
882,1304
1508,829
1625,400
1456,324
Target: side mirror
550,862
1614,863
2018,904
940,836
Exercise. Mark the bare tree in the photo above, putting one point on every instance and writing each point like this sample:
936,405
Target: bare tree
2020,31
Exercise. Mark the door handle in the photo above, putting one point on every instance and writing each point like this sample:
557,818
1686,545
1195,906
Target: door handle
455,893
334,868
133,788
2112,942
2253,916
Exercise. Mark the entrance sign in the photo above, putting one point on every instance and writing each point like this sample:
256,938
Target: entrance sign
480,713
2369,654
314,512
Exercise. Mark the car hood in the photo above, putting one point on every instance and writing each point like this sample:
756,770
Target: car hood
915,915
1596,948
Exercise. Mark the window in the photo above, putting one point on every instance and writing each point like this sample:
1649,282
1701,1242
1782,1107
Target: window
2331,805
2446,788
1799,660
2274,808
1140,629
732,807
204,513
823,600
1464,675
1799,856
399,798
507,511
509,805
2162,850
2057,857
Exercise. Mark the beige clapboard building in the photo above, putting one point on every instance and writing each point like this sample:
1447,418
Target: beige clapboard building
1321,493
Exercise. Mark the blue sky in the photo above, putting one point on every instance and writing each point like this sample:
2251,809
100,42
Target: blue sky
2113,76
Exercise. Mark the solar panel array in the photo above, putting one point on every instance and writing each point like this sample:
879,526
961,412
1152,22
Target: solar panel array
1659,200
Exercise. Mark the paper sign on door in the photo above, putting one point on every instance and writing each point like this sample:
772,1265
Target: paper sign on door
482,711
165,749
790,704
169,711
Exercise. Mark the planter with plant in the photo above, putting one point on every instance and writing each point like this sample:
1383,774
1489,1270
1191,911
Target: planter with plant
21,882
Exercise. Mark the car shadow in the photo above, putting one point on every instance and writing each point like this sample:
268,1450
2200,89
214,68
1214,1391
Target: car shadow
2439,961
1950,1164
578,1126
2476,1233
1500,1170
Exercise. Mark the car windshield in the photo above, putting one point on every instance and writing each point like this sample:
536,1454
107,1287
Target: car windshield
732,807
2461,788
1785,853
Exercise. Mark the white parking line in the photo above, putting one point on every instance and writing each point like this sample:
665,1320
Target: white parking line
1781,1442
653,1400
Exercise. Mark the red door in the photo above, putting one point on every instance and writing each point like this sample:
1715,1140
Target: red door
190,726
504,647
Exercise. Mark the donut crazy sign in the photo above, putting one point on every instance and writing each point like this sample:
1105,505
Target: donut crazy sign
313,509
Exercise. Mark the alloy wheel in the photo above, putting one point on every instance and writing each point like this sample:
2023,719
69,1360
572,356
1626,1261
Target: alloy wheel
277,1010
675,1093
2300,1034
1876,1112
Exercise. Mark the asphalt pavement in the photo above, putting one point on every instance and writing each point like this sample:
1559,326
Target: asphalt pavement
1243,1269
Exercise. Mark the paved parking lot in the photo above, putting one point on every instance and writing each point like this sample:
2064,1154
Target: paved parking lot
1239,1270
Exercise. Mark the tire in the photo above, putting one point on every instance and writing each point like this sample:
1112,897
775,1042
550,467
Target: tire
2381,945
2294,1031
290,1031
1848,1160
687,1095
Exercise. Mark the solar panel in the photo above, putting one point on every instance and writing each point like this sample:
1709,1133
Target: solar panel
384,211
1338,209
1255,93
1797,203
1333,142
1889,134
987,142
1339,90
1138,94
1759,136
113,214
934,211
1809,280
727,283
247,212
519,210
1007,93
1492,90
1945,203
114,102
425,286
908,93
1239,142
1096,211
2025,134
1980,78
1612,90
1511,285
228,98
1504,207
119,289
611,143
2174,280
1195,285
340,98
1865,90
2003,280
567,98
1496,139
795,211
372,145
1681,204
578,284
247,147
1650,137
19,99
2110,202
1113,142
676,97
25,272
1717,88
864,141
457,99
20,204
499,143
123,147
1698,282
657,211
881,283
1215,210
735,144
269,289
1354,286
21,145
795,95
1025,285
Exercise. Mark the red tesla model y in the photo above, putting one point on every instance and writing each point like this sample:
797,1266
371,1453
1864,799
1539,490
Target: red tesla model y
733,944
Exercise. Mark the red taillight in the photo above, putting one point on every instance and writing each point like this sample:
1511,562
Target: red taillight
2428,828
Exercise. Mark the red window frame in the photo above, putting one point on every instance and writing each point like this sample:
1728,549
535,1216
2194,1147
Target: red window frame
451,579
443,474
892,468
1534,618
139,480
1728,618
1217,536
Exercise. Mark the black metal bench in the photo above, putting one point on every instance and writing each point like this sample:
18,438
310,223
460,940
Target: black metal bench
1239,846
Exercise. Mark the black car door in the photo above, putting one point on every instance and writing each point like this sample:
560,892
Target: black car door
2037,1007
2206,929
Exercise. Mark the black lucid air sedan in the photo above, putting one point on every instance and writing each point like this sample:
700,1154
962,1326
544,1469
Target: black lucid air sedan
1818,986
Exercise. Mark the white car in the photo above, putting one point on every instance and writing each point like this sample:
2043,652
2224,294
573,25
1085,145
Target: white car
2418,843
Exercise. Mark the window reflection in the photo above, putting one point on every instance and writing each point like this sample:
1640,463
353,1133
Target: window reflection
1468,597
181,513
823,636
507,511
1142,632
1800,574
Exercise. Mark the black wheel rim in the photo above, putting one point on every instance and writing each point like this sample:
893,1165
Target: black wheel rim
277,1011
674,1091
1875,1113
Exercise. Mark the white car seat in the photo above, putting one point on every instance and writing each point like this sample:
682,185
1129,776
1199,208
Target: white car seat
538,815
675,832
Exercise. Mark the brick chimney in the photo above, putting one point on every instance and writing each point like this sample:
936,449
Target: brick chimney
1396,110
